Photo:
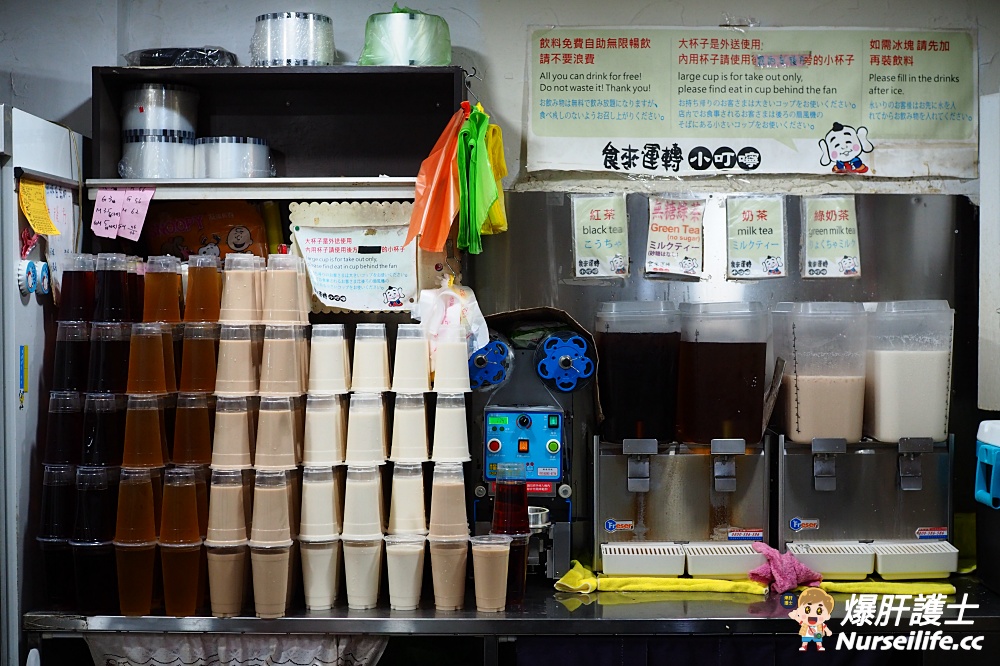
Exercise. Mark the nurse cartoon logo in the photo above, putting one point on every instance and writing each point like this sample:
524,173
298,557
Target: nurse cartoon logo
617,264
239,239
689,266
772,265
393,297
814,609
848,265
843,147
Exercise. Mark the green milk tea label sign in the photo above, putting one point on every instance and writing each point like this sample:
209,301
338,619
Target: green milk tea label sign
830,238
755,237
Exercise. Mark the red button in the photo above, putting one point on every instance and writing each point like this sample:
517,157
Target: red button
493,446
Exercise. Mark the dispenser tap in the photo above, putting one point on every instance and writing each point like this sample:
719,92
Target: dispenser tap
638,452
910,473
724,452
825,450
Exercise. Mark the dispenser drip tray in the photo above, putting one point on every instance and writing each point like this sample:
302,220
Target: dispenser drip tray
731,561
904,560
836,560
643,558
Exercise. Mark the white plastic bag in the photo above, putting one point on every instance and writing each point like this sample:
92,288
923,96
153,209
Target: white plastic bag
451,306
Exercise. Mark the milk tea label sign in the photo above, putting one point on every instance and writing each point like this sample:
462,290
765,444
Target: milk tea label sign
600,236
830,238
755,237
674,243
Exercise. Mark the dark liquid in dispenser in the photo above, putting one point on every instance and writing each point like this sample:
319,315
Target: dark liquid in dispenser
637,373
510,512
721,391
76,296
517,571
72,359
112,296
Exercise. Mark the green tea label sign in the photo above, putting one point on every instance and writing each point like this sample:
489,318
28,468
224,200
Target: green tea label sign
676,101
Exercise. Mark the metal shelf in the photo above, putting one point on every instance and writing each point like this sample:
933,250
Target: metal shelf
267,188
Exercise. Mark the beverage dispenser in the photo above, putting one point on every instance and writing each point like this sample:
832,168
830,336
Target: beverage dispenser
688,493
850,505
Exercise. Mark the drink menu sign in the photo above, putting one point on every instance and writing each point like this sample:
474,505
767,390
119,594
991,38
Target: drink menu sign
830,237
674,243
600,236
755,237
707,101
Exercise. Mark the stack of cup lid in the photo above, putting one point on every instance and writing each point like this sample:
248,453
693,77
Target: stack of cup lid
183,525
158,131
271,541
226,540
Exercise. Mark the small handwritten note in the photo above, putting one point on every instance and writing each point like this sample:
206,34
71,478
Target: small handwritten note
31,197
133,214
121,211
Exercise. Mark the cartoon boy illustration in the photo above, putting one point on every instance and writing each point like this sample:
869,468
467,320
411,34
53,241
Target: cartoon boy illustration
617,264
689,266
848,265
393,297
772,265
239,239
814,608
843,147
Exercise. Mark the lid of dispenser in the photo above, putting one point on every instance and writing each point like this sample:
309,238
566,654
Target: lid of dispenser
912,306
989,433
819,308
637,317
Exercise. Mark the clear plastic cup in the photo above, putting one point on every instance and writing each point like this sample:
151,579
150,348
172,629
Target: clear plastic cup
170,374
451,360
362,571
227,578
179,522
202,300
275,434
192,430
161,300
282,291
404,555
409,429
321,515
198,361
366,430
330,365
449,561
96,505
76,298
325,430
226,512
111,303
320,572
64,431
451,435
145,360
239,290
144,436
271,526
109,346
279,372
363,503
58,502
236,374
406,509
136,523
71,361
271,570
412,367
490,555
371,359
448,517
231,445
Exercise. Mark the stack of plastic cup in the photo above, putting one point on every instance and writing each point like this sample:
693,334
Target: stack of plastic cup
203,298
270,543
412,368
226,543
92,537
451,360
325,430
54,533
77,288
448,535
330,367
135,542
361,536
409,429
232,443
319,535
366,441
406,509
240,295
236,373
370,370
181,541
510,517
451,435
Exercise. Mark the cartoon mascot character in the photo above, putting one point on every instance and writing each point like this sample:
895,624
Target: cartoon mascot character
843,147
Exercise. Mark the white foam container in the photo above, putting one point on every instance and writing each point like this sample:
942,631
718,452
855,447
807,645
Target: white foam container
836,560
643,558
728,561
913,560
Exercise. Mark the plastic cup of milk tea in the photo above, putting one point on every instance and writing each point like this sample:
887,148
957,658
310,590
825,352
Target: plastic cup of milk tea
231,446
412,368
409,429
404,555
371,359
489,564
363,502
451,360
239,290
275,434
329,360
451,435
362,571
325,430
406,508
281,290
449,558
279,370
448,517
226,542
320,515
320,572
235,374
366,430
271,525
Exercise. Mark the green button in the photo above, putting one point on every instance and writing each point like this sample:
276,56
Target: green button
552,446
553,421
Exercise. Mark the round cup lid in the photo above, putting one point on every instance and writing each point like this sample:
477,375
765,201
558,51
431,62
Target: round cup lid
231,139
310,16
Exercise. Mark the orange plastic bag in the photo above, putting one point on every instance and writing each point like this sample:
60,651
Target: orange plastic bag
435,202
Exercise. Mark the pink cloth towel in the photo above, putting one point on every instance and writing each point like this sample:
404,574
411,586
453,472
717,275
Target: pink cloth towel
782,571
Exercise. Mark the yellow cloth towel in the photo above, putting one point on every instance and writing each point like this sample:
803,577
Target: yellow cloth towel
496,220
580,579
623,598
873,586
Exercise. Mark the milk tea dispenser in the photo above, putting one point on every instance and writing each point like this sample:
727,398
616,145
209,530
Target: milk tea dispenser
693,500
850,505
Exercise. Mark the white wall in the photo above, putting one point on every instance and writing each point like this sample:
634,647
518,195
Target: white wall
47,47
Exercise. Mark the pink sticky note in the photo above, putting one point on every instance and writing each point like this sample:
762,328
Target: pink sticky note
107,212
133,213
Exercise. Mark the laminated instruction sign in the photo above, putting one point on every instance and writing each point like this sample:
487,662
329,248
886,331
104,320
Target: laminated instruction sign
705,101
755,237
600,236
360,268
674,244
830,237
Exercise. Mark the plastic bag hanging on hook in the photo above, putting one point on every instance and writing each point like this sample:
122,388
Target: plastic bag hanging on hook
435,201
496,221
477,187
450,305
